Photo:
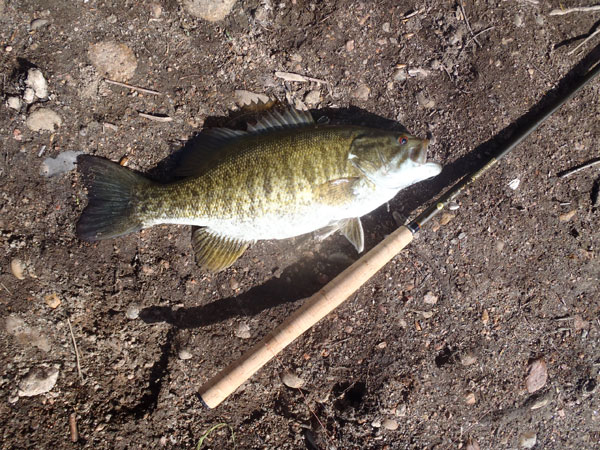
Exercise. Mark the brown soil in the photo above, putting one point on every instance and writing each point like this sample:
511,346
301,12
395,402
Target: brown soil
514,280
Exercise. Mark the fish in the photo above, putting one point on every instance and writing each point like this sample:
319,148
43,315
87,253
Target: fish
283,177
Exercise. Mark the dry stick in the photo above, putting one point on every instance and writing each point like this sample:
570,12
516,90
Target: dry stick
587,39
135,88
467,23
562,12
76,349
591,163
73,427
156,118
350,280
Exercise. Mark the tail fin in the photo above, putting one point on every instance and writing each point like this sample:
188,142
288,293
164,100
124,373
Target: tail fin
111,209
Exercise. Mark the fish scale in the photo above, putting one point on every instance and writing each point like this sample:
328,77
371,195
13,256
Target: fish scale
285,177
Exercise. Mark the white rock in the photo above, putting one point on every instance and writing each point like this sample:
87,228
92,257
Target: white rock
63,163
362,92
115,60
43,119
36,81
430,298
313,97
243,331
156,10
132,312
14,103
29,96
185,353
17,268
291,380
528,439
38,381
514,184
390,424
211,10
537,377
36,24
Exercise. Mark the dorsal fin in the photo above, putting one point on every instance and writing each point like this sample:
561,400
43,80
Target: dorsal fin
204,149
288,118
210,146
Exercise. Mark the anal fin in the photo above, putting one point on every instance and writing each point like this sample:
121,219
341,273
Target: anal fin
215,251
353,231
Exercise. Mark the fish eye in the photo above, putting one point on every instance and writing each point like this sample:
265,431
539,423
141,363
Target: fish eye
402,140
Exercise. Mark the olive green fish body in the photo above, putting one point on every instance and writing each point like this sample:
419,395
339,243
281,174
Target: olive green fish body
285,177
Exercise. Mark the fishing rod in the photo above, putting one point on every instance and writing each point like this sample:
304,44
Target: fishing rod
350,280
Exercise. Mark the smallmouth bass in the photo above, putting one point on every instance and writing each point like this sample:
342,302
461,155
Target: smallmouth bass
283,177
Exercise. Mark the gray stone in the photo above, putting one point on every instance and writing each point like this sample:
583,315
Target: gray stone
211,10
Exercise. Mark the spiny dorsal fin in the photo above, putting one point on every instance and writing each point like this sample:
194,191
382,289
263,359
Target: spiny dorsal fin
288,118
215,251
353,231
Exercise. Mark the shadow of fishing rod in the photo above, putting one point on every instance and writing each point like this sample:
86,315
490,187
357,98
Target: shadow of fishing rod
298,281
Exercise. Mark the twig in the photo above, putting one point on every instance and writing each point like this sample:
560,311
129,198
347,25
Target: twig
5,288
464,14
73,427
414,13
156,118
584,41
562,12
568,172
135,88
76,349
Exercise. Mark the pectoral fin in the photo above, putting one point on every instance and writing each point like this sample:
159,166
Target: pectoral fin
353,231
335,192
214,251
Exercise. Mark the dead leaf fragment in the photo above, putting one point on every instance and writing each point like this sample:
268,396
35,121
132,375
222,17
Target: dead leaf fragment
52,300
538,375
446,218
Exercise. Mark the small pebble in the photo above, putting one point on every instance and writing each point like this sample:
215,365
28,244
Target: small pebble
538,375
453,206
470,399
43,119
243,331
514,184
14,103
376,423
472,445
382,345
427,314
312,97
485,316
185,354
528,439
446,218
156,10
386,27
425,101
390,424
38,381
567,216
132,312
468,359
211,10
36,24
52,300
36,81
540,404
362,93
17,268
350,46
28,96
430,298
234,284
400,74
291,380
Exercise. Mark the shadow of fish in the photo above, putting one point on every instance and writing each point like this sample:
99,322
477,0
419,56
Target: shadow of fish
283,177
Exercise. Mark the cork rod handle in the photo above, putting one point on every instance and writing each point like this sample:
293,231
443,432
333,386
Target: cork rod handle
312,311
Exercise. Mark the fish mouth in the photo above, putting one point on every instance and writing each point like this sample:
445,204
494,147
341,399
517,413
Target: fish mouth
418,154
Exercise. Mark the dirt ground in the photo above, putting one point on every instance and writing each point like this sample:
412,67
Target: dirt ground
434,352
